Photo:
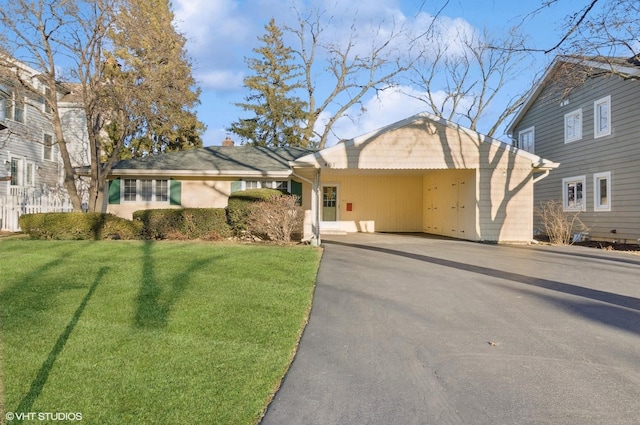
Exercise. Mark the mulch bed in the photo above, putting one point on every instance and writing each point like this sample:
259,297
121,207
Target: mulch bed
633,248
610,246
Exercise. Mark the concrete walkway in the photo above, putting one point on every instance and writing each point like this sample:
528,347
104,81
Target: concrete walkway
416,330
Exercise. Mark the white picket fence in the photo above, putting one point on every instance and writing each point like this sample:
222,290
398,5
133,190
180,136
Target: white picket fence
13,206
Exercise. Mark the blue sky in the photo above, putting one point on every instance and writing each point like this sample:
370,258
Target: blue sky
221,33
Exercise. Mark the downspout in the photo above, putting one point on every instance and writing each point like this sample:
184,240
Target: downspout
315,210
545,174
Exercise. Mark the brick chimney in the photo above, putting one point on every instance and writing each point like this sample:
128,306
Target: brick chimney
228,142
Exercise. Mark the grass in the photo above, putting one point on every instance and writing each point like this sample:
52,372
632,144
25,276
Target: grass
143,332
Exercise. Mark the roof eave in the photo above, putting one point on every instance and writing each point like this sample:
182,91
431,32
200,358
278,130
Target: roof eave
535,91
200,173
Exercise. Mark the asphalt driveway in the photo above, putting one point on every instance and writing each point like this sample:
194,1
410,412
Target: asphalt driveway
416,330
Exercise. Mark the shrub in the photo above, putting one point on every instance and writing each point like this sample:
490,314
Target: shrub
276,218
188,223
559,225
239,203
77,225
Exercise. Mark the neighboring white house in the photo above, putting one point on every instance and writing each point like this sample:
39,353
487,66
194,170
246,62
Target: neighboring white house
31,170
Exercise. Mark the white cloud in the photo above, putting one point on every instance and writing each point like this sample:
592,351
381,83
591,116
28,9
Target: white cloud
444,34
222,80
388,107
211,26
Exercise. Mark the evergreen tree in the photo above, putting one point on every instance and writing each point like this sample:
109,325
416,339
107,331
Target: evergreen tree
159,93
279,116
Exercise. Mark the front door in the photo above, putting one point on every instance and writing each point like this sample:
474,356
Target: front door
329,203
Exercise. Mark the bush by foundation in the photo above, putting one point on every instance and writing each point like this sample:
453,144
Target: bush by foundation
182,224
78,226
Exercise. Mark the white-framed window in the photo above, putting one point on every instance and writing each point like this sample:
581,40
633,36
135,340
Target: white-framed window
48,148
29,174
161,190
14,105
3,107
573,126
145,190
129,190
602,191
573,191
16,170
526,139
46,108
270,184
602,117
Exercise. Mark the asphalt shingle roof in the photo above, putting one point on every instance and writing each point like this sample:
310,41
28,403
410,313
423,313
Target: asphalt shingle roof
219,158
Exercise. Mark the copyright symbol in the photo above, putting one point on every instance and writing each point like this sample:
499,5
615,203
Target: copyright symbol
10,416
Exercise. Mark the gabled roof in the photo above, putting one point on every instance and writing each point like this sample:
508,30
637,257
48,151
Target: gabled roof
73,93
618,65
420,142
9,65
240,161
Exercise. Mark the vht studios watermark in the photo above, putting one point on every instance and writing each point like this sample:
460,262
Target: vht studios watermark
43,416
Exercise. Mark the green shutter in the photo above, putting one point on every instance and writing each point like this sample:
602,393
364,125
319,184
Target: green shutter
296,189
175,192
114,191
236,186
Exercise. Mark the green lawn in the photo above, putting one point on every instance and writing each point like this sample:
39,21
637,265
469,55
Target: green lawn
147,332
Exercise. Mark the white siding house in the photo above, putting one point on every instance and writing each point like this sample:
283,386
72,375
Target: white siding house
31,171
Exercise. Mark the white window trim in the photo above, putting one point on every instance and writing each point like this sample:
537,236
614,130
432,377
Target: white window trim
20,171
596,117
578,134
533,138
54,153
575,179
139,192
3,107
596,191
266,184
32,182
45,106
13,99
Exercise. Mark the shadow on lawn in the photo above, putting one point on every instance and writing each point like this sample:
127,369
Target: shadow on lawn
43,374
157,296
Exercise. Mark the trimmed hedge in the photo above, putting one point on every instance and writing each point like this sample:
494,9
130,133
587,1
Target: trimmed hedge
239,202
78,226
188,223
173,223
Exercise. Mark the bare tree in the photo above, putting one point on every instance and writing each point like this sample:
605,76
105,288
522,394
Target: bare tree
465,77
607,31
79,36
42,30
367,61
596,27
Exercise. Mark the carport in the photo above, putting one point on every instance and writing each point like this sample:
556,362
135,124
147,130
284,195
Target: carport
423,174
